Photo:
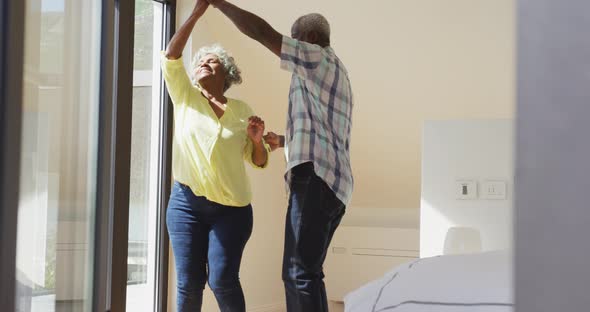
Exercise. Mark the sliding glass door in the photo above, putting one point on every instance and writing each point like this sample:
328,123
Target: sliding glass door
149,178
85,155
59,138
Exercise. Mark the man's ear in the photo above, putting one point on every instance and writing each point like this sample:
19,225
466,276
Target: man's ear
313,37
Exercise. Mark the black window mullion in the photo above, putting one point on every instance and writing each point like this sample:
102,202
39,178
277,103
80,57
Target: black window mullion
165,169
112,210
12,21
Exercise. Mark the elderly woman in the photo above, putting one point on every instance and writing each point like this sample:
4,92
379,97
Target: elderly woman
209,215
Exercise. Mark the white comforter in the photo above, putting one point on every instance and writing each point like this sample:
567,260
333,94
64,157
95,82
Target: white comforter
454,283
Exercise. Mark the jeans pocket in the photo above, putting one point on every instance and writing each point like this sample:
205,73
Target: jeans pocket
331,205
334,209
300,184
181,186
301,179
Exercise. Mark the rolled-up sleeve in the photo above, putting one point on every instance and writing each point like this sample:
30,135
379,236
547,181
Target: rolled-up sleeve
248,154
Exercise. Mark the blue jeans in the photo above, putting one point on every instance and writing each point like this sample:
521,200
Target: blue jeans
313,215
207,240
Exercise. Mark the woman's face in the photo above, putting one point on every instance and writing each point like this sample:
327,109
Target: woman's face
209,69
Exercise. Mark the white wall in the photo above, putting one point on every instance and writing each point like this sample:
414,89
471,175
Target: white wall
408,60
475,149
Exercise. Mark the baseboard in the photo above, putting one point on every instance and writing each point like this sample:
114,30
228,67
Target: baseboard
274,307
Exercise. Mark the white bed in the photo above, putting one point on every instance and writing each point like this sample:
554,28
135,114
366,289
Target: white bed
480,282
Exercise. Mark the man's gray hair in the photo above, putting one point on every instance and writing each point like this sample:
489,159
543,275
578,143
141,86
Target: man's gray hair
314,22
226,60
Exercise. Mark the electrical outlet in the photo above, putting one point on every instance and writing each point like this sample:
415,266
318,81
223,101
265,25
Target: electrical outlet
494,189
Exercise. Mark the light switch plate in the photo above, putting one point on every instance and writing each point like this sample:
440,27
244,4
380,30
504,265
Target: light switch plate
465,189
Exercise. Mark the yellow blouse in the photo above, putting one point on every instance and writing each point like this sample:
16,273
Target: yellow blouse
209,152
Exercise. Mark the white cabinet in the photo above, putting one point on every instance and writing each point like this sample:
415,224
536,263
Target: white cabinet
360,254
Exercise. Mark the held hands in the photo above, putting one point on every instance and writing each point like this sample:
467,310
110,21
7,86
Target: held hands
255,129
273,140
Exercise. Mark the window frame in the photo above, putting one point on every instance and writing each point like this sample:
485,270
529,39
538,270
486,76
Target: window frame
112,209
11,80
165,170
114,156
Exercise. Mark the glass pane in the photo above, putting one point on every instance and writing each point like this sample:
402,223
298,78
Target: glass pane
144,34
58,156
144,157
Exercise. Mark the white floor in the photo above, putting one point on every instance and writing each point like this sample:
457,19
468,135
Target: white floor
332,306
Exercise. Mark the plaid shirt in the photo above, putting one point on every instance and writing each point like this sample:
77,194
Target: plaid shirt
319,117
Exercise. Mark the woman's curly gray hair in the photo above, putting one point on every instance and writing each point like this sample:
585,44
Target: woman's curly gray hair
227,61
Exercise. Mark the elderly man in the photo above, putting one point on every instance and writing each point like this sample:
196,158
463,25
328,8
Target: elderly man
317,145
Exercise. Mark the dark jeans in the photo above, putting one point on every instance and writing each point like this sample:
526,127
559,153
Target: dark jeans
207,240
313,215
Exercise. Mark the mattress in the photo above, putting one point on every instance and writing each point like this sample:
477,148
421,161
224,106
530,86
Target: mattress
479,282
